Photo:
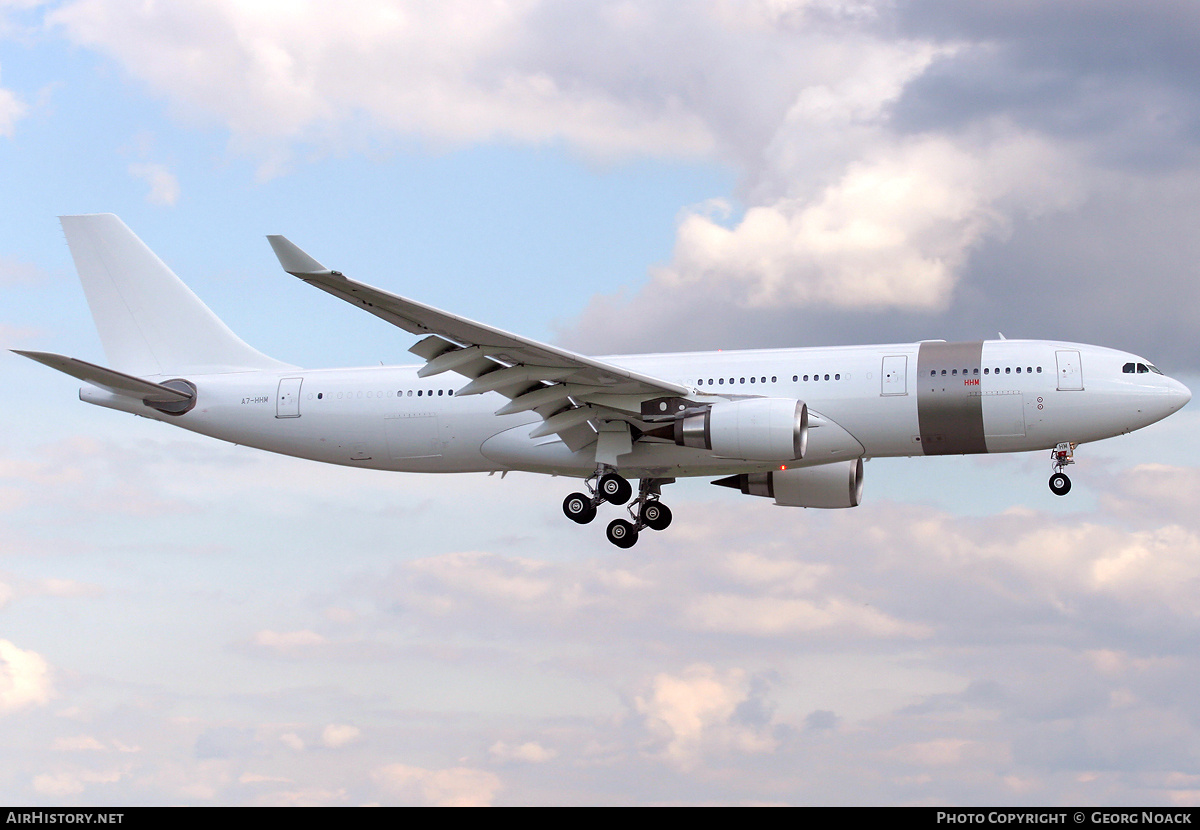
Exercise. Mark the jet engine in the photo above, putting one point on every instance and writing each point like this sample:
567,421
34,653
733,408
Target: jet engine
829,485
757,429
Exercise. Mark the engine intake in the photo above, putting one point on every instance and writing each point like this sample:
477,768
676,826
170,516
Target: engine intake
757,429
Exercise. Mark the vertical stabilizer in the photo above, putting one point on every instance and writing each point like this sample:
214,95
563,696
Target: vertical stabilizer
150,322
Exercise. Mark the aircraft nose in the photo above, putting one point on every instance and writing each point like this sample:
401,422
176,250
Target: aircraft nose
1179,394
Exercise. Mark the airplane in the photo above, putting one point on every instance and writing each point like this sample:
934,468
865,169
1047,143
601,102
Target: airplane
793,425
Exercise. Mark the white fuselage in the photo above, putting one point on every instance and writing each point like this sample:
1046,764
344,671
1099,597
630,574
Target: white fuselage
911,399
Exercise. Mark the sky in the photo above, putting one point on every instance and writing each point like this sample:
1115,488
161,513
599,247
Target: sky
187,622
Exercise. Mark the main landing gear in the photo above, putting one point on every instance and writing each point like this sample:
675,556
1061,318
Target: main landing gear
645,511
1061,456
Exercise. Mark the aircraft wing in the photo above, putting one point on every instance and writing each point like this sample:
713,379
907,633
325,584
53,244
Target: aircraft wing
565,388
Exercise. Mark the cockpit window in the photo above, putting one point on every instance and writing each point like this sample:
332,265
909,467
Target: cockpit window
1153,368
1142,369
1127,368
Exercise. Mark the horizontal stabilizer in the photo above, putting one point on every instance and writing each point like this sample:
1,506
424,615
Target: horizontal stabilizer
118,383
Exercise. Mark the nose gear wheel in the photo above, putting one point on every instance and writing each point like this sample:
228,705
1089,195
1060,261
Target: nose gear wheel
1061,456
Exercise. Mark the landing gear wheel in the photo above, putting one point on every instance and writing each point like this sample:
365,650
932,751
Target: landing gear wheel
578,508
614,488
1060,485
656,515
622,534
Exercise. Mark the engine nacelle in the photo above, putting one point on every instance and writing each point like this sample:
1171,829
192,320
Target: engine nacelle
828,486
757,429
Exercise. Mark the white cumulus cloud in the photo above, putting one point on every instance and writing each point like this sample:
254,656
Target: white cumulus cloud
24,678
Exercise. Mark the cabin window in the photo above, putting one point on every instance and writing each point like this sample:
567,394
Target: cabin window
1018,370
1008,370
806,377
773,379
752,380
837,377
795,378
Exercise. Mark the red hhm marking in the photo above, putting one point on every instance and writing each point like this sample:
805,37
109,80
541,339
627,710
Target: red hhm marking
971,382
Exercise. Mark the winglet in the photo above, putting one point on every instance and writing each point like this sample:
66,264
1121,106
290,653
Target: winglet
295,261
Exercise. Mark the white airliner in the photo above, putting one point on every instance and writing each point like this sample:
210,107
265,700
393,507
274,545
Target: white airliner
789,424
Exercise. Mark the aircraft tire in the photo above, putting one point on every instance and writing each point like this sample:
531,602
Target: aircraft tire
615,489
1060,484
656,515
622,534
578,508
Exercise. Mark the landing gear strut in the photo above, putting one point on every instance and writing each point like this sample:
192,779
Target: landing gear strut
645,511
1061,456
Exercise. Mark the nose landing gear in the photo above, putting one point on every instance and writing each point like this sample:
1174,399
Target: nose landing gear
1061,456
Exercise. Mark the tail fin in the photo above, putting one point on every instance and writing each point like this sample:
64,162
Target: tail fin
150,322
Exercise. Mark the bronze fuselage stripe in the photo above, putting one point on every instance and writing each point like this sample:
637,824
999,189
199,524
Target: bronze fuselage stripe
949,406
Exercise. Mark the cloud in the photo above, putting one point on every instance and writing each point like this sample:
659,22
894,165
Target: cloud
17,272
288,640
530,752
893,232
12,109
903,170
451,72
694,712
337,735
24,679
80,743
713,588
454,787
64,784
164,187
